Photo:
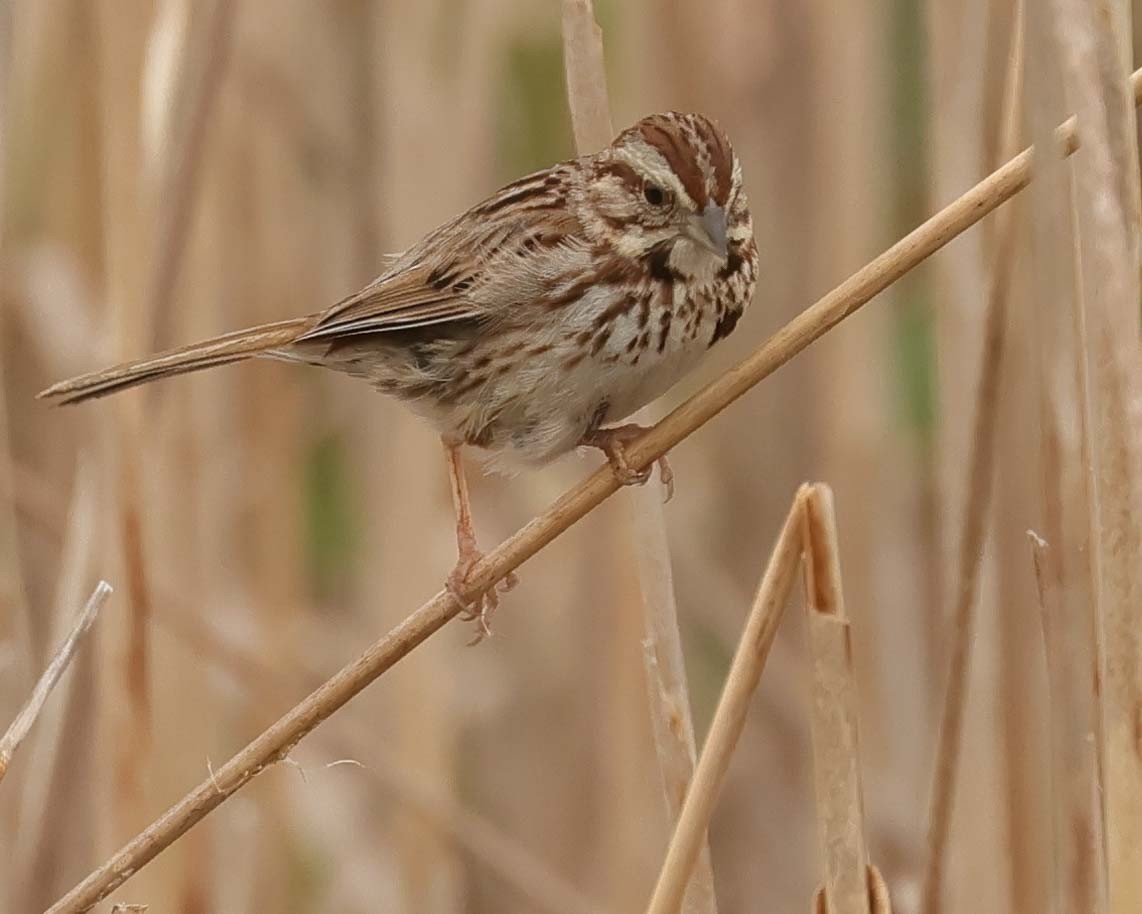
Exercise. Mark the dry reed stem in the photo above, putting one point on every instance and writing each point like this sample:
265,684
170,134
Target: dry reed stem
38,820
586,76
1090,41
1067,586
13,592
879,901
672,723
275,742
124,691
14,607
508,859
1065,572
981,472
1079,848
203,70
1106,202
505,857
833,713
729,716
20,727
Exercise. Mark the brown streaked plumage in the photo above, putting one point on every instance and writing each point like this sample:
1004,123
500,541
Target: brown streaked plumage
566,300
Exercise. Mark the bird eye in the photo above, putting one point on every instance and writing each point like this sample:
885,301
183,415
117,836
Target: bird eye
655,195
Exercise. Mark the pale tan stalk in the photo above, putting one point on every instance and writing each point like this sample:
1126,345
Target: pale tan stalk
880,902
1067,588
586,76
201,73
60,661
729,717
53,745
124,691
17,624
1079,848
1090,41
1021,736
274,743
270,681
833,716
858,440
671,720
976,512
668,694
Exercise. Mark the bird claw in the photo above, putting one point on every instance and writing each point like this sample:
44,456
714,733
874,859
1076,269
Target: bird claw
613,441
480,607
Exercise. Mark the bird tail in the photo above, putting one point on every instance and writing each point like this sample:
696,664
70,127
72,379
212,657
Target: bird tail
221,350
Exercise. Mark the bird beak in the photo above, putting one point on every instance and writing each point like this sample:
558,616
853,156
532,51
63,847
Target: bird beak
709,229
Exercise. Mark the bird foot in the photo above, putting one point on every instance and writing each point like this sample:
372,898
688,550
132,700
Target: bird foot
613,442
479,607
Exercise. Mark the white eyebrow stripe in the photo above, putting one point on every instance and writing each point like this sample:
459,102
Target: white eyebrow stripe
652,164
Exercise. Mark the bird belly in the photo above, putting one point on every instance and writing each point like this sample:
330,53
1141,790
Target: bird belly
527,396
542,410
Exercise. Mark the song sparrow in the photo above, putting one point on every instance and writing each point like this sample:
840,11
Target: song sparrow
568,299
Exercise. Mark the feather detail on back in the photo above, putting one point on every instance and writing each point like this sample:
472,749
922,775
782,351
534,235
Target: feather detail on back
421,288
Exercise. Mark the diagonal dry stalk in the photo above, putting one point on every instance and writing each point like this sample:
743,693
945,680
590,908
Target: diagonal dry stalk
729,718
508,859
274,743
981,471
19,728
848,884
667,692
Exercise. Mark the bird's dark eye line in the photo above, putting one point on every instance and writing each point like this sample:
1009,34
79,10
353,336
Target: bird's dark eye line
655,195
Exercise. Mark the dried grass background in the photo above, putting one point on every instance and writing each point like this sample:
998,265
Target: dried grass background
175,169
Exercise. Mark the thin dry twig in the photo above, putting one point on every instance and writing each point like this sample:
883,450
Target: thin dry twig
51,742
275,742
20,727
729,717
833,715
672,724
981,472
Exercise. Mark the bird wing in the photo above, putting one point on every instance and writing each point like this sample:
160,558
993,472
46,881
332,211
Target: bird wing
454,274
398,300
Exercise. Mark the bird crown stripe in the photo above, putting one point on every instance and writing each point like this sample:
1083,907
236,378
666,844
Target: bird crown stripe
682,161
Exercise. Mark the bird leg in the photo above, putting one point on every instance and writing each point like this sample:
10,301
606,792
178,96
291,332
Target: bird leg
477,608
613,442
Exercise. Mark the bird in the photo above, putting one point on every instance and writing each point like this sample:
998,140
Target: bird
528,325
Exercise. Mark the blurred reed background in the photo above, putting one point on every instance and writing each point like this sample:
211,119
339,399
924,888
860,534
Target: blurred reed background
176,169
